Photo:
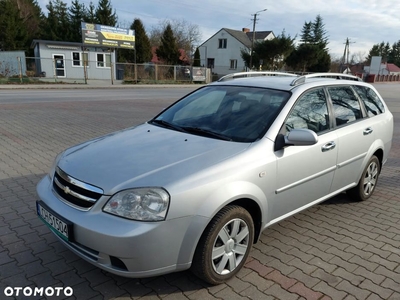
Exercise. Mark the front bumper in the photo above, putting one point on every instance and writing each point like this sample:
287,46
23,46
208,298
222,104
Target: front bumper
125,247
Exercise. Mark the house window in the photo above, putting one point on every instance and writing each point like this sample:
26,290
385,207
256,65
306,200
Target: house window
222,43
210,63
103,60
233,64
79,59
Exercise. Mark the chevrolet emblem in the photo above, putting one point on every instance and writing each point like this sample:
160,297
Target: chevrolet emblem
67,190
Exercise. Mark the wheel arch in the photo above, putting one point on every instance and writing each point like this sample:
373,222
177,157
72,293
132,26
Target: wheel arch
379,154
255,212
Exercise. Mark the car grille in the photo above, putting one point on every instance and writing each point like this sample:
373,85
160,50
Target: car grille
74,192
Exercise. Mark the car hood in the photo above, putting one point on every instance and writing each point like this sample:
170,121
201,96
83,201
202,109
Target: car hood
146,155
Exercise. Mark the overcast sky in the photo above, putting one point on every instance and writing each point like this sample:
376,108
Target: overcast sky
364,22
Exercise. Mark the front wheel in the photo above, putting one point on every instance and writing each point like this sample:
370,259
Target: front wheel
224,245
369,179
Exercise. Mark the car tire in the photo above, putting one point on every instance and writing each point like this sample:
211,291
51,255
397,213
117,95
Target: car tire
224,246
369,179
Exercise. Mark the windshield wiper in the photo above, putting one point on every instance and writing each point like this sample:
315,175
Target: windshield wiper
166,124
206,132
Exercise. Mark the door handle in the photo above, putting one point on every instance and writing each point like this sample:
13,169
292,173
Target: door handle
368,130
328,146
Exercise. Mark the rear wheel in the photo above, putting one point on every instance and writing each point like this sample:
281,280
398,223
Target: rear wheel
369,179
224,245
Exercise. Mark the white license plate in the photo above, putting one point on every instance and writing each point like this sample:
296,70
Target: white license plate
59,226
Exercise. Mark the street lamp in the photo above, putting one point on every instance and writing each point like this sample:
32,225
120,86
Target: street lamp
254,36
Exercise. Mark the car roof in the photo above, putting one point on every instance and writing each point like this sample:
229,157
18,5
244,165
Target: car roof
285,81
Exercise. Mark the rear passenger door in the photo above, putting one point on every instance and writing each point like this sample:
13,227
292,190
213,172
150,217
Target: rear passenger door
355,135
305,173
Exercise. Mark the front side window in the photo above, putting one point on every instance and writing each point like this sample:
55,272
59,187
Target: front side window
309,112
241,114
372,102
222,43
346,107
103,60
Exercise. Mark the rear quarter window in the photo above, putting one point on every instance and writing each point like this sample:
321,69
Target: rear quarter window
372,102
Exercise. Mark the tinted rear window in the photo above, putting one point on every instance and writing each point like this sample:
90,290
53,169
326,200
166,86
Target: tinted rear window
372,102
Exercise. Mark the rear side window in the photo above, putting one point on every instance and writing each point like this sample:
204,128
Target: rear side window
372,102
346,106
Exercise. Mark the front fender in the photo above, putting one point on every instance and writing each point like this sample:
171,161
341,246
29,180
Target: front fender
212,205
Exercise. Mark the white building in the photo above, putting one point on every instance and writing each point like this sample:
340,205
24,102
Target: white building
69,60
222,51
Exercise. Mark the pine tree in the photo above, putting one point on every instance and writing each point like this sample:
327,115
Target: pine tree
105,14
168,50
306,35
142,42
13,33
311,55
196,58
91,14
319,32
394,56
76,13
32,18
57,26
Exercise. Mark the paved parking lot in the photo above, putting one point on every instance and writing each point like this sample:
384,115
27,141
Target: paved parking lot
337,250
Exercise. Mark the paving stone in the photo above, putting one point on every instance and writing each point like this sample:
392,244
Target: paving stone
260,282
306,279
312,254
305,292
161,287
350,267
380,291
332,280
256,266
282,280
348,276
228,293
351,289
253,293
25,257
323,287
280,293
328,267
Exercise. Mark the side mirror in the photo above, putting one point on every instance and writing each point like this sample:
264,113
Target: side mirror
296,137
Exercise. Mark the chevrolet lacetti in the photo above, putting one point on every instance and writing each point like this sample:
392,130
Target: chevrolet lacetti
195,186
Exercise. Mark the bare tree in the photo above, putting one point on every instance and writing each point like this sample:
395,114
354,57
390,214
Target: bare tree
358,57
187,35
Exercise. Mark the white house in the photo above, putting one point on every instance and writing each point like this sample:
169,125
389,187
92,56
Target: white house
222,51
69,60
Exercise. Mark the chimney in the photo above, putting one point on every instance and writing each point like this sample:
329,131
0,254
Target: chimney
245,30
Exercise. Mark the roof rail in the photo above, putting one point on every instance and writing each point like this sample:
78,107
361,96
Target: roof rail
255,74
303,78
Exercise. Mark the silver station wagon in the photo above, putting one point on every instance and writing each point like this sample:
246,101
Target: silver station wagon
195,186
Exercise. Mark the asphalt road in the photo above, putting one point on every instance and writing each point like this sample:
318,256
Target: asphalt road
83,95
339,249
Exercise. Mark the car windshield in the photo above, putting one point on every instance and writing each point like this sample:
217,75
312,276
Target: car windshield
234,113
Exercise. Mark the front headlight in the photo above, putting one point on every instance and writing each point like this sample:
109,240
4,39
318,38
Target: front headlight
142,204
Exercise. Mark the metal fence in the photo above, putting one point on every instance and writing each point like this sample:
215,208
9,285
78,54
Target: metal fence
61,69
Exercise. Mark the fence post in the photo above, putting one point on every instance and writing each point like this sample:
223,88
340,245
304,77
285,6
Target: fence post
135,70
19,68
174,73
54,70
